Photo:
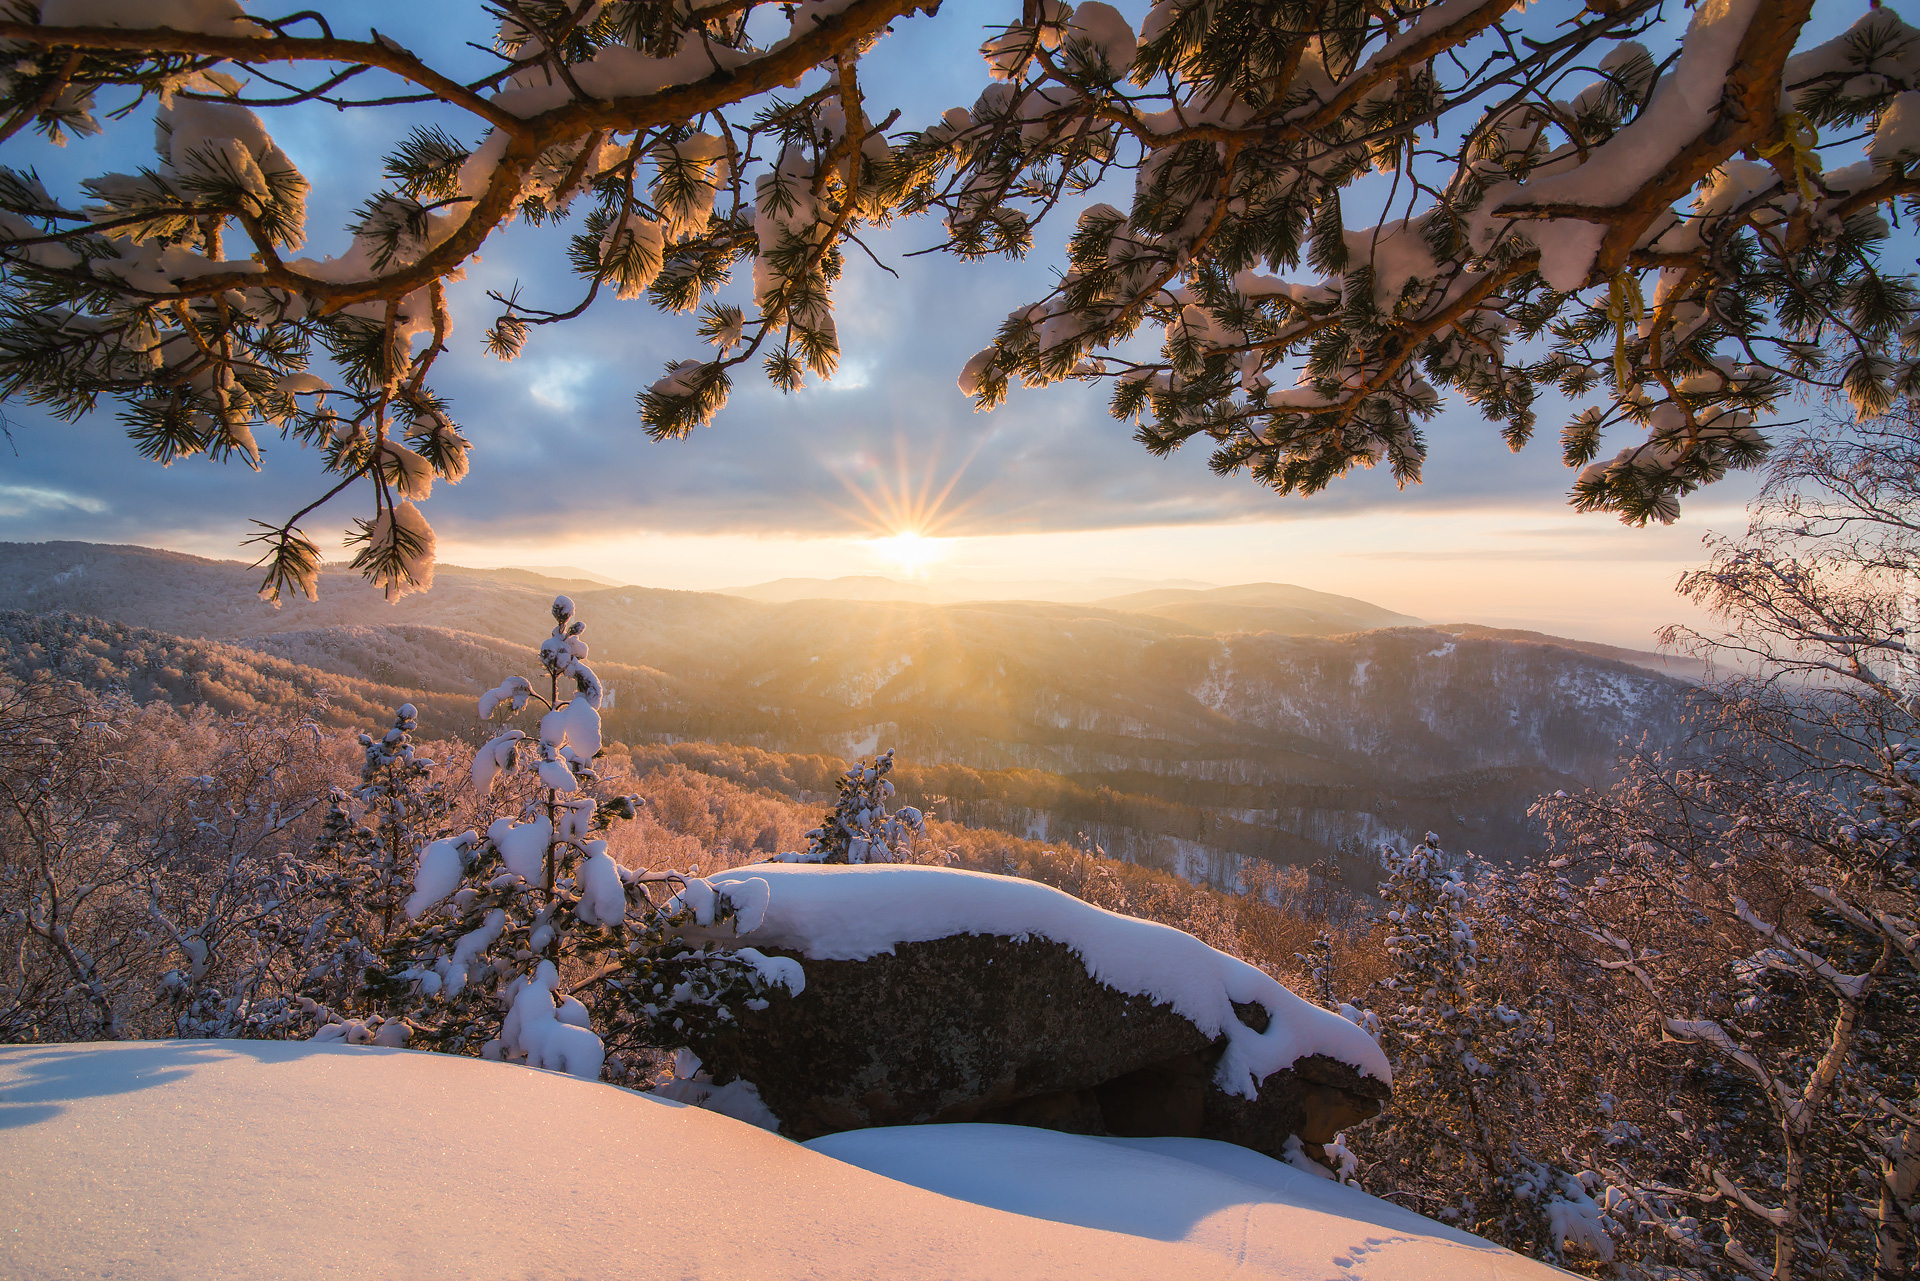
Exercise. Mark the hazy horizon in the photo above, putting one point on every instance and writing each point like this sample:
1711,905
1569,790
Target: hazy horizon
882,469
1602,582
945,582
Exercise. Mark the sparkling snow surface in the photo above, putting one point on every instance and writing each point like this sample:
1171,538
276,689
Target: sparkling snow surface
851,913
1247,1209
261,1159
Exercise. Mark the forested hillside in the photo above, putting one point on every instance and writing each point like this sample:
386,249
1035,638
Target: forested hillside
1154,737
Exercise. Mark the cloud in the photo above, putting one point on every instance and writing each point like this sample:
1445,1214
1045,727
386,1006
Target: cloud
1662,551
25,500
852,375
558,381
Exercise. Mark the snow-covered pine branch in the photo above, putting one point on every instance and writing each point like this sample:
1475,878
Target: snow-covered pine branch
1672,243
1675,244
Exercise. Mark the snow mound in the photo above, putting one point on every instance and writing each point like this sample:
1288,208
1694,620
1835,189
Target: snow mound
851,913
265,1159
1242,1207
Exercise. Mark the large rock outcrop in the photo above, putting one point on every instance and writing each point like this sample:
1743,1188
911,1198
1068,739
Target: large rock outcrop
996,1014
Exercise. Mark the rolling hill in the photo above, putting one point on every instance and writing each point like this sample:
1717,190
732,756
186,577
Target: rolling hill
1166,741
1260,607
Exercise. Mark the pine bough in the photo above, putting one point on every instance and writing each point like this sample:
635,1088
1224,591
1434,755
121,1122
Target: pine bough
1676,244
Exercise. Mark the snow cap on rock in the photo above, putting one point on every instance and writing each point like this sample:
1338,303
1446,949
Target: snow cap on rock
852,913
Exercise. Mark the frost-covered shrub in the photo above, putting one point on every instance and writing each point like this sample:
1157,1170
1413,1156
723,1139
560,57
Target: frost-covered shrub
74,946
1743,917
1714,968
1751,946
149,878
214,820
1472,1047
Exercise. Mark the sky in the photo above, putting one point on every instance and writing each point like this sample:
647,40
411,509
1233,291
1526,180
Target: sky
885,469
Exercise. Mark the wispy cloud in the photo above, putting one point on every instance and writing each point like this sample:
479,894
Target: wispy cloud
25,500
558,382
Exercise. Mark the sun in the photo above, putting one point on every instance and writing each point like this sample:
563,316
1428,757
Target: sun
904,524
909,551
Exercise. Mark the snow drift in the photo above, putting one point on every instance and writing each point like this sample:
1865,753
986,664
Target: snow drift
281,1159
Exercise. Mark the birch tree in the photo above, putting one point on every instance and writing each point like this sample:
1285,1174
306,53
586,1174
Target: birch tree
1762,943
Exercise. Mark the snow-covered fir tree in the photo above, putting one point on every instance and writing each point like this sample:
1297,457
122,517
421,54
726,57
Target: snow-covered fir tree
527,941
1675,243
364,860
860,828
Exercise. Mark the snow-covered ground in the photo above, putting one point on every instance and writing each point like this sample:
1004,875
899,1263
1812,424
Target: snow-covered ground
1258,1216
259,1159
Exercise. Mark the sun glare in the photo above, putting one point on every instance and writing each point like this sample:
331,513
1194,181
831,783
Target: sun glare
909,551
905,523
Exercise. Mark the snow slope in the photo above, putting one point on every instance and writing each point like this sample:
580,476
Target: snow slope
263,1159
1271,1219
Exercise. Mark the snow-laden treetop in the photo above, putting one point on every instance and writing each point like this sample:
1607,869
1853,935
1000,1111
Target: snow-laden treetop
1673,242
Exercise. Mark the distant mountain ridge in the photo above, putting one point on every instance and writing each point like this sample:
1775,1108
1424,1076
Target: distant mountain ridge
781,591
561,578
1264,595
1261,607
878,587
1170,742
1678,665
573,572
